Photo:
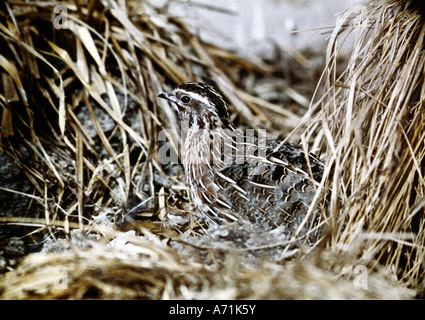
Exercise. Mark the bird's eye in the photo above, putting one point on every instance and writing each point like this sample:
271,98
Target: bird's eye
185,99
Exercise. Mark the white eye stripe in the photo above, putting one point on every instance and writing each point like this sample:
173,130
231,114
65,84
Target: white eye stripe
196,96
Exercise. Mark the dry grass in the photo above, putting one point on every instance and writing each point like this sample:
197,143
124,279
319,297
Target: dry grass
372,118
81,119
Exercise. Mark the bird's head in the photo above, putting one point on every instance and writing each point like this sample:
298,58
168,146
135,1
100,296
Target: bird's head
199,104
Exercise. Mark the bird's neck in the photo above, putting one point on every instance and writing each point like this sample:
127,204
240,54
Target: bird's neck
211,148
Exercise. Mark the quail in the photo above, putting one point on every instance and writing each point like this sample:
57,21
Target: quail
237,175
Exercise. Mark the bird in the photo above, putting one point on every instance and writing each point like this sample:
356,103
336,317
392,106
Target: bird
239,175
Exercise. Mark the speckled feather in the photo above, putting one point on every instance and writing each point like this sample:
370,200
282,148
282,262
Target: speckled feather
236,175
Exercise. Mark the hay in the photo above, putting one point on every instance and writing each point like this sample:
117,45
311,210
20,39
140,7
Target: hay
372,117
150,270
80,118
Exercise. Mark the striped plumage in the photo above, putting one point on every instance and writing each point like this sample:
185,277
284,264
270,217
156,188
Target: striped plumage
236,175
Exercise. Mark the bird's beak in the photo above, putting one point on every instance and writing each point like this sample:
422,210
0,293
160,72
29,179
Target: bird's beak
165,95
169,96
